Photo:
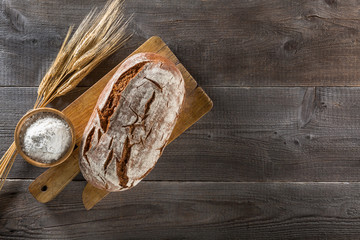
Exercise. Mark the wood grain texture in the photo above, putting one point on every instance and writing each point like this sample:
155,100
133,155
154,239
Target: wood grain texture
240,43
252,134
173,210
297,131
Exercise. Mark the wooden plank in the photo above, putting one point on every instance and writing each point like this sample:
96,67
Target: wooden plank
240,43
252,134
271,134
192,210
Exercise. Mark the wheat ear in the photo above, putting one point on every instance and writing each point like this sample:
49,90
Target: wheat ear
97,37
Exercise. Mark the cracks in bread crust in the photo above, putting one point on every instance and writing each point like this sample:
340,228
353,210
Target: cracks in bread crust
113,100
110,144
121,164
131,127
99,135
108,159
155,83
88,144
111,103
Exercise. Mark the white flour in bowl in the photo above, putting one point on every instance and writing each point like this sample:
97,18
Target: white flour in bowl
47,139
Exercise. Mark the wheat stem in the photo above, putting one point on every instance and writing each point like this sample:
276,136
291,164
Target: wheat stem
97,37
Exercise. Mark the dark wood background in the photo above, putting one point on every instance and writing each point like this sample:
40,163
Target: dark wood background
278,157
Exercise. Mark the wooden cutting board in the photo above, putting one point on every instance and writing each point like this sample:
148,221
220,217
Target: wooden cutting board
49,184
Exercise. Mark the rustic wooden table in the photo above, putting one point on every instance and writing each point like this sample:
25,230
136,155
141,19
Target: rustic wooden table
278,157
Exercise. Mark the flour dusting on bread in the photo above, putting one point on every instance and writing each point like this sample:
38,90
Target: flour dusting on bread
132,122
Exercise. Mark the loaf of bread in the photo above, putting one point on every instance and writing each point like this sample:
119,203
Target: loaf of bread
132,122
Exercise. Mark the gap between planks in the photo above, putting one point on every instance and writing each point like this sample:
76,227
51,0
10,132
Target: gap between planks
214,182
217,86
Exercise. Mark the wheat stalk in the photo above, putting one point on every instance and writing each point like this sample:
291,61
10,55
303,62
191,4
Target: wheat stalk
97,37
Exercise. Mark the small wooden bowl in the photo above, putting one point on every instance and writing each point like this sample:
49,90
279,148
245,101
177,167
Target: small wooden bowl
20,125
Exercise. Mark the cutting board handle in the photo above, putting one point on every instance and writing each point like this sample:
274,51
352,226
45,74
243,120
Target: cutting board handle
49,184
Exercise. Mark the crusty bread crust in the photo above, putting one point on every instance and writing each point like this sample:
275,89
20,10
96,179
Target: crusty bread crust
132,122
